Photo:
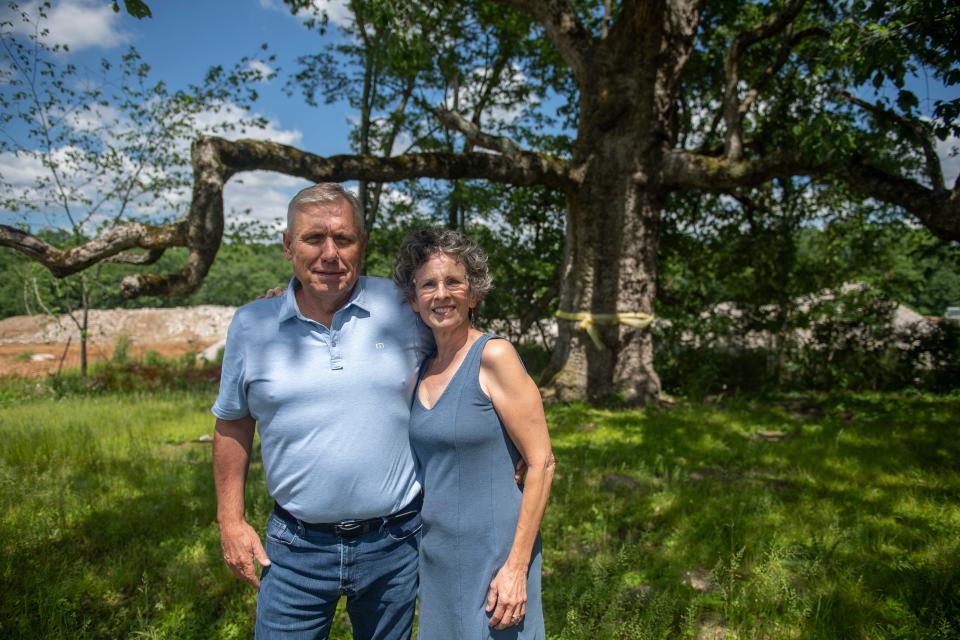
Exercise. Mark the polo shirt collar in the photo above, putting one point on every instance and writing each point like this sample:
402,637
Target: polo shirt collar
288,301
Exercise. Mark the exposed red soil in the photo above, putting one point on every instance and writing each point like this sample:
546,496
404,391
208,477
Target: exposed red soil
168,332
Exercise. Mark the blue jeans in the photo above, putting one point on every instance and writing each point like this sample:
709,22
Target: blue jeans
310,570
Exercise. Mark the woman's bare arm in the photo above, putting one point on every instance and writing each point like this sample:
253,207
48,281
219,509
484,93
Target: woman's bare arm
517,401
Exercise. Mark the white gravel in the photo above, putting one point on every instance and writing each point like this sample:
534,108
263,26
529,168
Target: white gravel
205,323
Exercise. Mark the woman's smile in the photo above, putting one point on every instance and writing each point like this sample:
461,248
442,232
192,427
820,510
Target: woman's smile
443,295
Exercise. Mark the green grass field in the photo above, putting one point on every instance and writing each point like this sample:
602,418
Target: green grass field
802,517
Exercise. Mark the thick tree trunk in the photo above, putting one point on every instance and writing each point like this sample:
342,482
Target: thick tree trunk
627,120
634,376
609,268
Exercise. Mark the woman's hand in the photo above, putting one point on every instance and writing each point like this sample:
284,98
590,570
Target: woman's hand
507,596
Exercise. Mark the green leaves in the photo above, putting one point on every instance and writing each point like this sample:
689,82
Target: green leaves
136,8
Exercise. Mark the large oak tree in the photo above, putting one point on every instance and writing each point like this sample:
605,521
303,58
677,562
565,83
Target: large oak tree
668,96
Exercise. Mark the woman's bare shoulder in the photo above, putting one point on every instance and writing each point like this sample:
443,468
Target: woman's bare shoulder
499,351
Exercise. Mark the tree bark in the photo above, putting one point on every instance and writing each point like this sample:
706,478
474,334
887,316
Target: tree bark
609,268
627,118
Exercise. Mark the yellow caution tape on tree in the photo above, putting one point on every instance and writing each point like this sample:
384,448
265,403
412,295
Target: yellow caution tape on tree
588,321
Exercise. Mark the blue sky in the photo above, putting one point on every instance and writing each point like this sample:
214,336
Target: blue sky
180,42
184,38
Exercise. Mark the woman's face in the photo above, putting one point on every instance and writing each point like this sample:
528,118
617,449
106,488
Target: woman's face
443,296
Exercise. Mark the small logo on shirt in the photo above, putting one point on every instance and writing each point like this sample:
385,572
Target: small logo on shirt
379,346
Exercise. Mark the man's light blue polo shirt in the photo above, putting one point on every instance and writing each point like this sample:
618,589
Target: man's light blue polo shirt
332,405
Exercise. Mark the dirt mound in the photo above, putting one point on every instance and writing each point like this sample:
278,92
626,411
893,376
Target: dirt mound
34,345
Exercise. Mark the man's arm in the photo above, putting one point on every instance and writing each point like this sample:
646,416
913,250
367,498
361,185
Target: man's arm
240,543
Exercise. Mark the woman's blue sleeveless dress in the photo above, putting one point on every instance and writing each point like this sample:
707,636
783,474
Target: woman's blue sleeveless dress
470,508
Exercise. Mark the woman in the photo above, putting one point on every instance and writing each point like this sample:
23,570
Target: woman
475,413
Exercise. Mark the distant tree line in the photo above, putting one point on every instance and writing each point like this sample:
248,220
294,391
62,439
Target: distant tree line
712,263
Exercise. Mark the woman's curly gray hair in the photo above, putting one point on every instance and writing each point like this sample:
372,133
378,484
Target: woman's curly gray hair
419,246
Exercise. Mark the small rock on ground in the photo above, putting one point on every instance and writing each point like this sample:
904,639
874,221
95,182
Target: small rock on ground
712,628
770,436
699,580
614,482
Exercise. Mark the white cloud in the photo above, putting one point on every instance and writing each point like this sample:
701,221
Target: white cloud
264,70
98,118
232,115
78,24
260,196
401,143
228,120
265,193
338,11
29,182
7,72
949,158
20,170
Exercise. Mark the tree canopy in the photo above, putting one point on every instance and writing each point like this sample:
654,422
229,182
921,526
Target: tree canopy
661,98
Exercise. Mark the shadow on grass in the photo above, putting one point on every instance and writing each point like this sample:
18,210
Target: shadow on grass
831,517
847,526
141,558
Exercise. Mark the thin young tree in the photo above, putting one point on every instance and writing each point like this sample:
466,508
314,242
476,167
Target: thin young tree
104,151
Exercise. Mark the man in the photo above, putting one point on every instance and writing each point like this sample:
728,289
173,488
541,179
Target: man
327,371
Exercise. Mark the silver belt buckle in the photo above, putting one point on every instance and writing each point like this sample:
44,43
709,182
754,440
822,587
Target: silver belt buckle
346,528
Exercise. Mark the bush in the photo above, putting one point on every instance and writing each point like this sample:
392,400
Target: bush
935,358
121,350
843,342
154,375
123,377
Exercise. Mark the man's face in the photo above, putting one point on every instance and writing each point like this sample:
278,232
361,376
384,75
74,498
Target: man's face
326,250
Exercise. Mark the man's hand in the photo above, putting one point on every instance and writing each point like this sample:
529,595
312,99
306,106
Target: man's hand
232,441
240,545
272,293
518,472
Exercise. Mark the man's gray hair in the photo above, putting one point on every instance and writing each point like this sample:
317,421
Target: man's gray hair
326,193
421,245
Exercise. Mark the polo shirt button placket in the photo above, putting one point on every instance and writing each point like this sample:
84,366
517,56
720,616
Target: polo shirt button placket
335,360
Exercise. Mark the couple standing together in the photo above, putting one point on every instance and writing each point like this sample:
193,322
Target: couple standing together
390,430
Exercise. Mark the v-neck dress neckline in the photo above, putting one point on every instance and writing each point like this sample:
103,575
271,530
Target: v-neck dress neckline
456,374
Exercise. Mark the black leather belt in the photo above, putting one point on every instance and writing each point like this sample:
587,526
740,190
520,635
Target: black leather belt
356,528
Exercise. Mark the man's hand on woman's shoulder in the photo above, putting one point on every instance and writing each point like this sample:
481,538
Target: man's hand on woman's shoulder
272,293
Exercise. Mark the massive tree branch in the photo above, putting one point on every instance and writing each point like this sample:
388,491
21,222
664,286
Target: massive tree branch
688,170
215,160
147,257
919,132
574,43
681,22
524,170
455,120
109,245
732,113
937,210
